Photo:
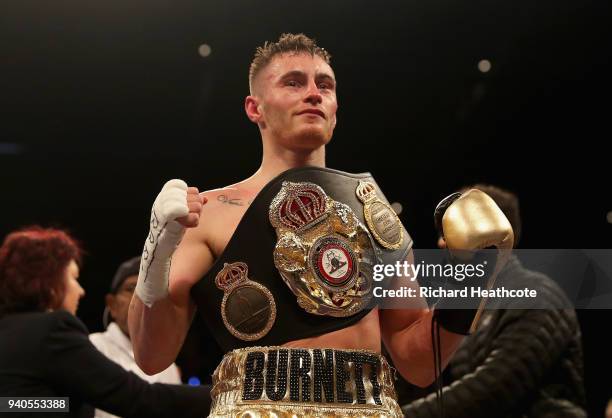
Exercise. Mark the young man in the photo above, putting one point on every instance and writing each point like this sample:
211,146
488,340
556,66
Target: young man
293,101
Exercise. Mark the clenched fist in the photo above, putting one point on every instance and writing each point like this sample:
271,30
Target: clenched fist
176,207
195,202
178,202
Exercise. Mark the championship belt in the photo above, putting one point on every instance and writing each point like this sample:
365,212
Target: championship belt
323,253
313,235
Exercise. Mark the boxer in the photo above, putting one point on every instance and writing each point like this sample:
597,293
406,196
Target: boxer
279,264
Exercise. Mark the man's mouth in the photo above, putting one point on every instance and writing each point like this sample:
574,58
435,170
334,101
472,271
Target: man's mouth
313,112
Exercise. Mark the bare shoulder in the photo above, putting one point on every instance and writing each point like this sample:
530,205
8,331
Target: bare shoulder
221,214
233,195
227,201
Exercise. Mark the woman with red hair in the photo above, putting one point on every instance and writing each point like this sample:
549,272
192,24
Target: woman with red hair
39,269
45,349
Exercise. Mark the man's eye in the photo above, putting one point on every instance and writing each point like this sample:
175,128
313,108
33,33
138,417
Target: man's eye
323,86
292,83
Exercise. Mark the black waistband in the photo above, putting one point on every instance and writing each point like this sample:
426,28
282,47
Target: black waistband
330,371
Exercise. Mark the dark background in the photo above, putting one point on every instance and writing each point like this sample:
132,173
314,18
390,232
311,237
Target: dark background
102,101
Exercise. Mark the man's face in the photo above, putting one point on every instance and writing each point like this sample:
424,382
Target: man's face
119,303
296,101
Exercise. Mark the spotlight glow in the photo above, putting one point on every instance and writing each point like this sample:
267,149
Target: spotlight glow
484,66
204,50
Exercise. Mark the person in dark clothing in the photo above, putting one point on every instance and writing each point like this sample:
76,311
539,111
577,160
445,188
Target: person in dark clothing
45,349
520,362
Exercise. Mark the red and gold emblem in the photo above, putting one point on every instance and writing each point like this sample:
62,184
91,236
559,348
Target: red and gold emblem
323,253
333,261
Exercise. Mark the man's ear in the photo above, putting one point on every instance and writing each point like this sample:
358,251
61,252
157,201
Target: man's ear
110,301
251,107
334,121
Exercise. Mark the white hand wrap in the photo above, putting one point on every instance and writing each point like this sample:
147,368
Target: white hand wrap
165,233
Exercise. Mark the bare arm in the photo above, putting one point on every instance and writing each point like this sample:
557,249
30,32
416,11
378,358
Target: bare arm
407,335
158,332
158,327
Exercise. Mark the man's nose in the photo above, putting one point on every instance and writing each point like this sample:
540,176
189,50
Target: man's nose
313,95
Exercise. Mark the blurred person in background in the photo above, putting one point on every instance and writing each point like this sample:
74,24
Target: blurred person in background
519,362
44,348
115,342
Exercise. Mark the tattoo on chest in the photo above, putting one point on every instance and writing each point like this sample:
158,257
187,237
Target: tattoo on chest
233,201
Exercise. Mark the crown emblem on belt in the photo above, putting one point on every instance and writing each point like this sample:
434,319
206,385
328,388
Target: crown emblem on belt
298,205
230,274
366,191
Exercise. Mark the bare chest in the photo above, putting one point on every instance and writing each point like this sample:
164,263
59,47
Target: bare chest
228,211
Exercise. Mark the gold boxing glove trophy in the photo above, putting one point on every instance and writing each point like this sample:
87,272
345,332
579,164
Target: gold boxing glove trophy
470,222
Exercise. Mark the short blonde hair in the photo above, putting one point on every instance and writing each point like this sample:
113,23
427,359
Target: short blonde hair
287,43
